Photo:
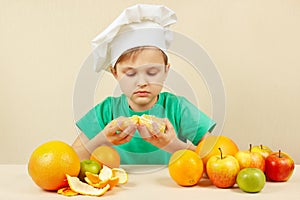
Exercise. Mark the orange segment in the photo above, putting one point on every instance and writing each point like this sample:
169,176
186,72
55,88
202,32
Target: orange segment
152,123
134,119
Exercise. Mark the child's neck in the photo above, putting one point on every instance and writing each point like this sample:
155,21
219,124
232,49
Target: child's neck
140,107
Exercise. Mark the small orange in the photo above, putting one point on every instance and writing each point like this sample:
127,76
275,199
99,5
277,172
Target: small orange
185,167
106,155
210,146
50,162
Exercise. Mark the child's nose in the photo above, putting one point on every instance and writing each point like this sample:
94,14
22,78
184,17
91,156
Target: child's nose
141,81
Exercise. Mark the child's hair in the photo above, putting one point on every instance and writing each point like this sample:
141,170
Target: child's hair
131,53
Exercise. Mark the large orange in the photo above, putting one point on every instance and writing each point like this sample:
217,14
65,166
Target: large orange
185,167
106,155
210,146
50,162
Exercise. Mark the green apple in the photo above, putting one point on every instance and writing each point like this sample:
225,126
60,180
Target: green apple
222,170
88,166
251,180
263,150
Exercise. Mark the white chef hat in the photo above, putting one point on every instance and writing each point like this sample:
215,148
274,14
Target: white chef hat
139,25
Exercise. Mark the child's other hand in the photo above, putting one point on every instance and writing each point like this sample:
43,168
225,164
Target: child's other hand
156,137
118,135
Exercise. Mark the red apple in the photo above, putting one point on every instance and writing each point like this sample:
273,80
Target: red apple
279,166
222,170
263,150
247,158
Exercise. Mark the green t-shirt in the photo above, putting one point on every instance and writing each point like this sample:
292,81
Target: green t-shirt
188,121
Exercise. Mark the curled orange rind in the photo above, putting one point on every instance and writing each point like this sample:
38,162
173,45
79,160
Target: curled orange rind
96,184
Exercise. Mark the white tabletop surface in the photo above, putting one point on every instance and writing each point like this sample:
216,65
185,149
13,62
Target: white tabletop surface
146,182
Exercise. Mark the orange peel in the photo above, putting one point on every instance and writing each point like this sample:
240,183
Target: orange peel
67,191
83,188
93,178
121,174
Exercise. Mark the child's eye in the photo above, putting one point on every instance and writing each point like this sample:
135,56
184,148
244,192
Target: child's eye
130,73
152,72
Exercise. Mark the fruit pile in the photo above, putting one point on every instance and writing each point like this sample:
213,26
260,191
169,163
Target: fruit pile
225,165
55,166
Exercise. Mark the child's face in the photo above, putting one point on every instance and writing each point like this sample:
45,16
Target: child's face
141,77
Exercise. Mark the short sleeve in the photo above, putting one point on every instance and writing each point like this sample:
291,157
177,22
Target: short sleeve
96,119
193,122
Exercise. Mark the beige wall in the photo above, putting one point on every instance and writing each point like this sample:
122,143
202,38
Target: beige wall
254,43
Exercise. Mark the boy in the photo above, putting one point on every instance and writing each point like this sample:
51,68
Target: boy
135,48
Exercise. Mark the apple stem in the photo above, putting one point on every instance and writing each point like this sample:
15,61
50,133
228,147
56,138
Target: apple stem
221,152
279,153
261,146
250,147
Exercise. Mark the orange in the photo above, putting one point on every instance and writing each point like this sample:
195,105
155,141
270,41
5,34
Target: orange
185,167
210,146
150,120
106,155
50,162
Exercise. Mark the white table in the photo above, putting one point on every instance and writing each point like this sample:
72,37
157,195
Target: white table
146,182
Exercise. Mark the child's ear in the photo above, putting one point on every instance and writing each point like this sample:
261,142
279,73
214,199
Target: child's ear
168,67
113,71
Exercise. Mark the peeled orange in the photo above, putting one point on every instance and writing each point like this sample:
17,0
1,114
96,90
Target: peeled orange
50,162
185,167
210,146
106,155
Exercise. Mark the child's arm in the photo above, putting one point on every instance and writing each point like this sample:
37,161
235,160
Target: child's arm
112,134
79,147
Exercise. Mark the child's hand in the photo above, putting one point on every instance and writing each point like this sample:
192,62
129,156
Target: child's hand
157,138
167,141
116,134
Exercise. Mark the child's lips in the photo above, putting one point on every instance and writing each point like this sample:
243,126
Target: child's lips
141,93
